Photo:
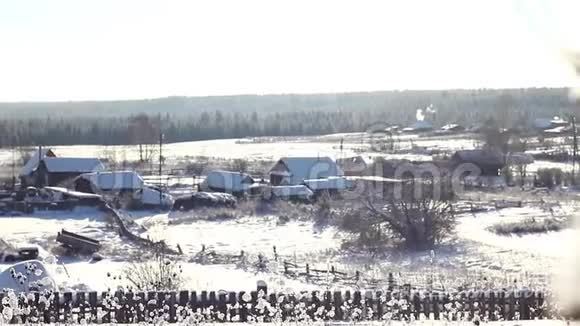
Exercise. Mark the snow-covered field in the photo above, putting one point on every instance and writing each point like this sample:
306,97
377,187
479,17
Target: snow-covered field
267,149
475,252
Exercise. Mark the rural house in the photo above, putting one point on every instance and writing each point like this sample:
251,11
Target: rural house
235,183
490,162
45,169
294,170
354,166
117,181
26,173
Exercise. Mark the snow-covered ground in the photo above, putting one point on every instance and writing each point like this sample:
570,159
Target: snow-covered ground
475,252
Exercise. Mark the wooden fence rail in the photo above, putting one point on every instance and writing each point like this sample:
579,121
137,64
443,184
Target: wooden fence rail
259,305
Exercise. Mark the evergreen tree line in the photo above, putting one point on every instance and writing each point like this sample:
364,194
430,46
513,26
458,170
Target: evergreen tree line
273,115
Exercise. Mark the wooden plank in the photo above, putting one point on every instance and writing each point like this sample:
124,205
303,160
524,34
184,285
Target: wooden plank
369,309
139,302
204,301
380,304
356,301
232,300
193,301
338,300
183,302
511,305
79,303
93,304
417,305
56,307
151,305
222,305
119,310
427,306
314,301
436,306
243,307
172,302
327,303
525,305
491,307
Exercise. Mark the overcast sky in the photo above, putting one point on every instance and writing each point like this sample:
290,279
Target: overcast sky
111,49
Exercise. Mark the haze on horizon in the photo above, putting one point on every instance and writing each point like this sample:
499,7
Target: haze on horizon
68,50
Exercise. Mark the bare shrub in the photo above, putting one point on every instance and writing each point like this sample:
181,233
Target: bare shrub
158,274
550,177
195,167
530,225
240,165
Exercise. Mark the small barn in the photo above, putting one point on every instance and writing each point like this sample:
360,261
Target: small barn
490,162
53,171
294,170
354,166
235,183
114,181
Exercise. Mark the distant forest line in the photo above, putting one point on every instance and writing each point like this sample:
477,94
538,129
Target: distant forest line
219,117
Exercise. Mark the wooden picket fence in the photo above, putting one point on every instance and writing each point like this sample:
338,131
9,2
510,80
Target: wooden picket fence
259,305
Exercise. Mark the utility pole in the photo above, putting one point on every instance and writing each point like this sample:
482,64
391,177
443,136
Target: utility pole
13,166
575,149
160,167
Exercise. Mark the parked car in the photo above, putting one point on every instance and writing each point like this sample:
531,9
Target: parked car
21,254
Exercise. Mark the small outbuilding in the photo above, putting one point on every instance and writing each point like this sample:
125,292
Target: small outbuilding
294,170
292,193
332,185
109,181
235,183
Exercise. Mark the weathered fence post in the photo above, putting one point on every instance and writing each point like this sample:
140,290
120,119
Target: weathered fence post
391,282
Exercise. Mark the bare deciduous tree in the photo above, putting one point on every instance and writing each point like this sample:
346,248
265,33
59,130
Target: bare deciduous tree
419,221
